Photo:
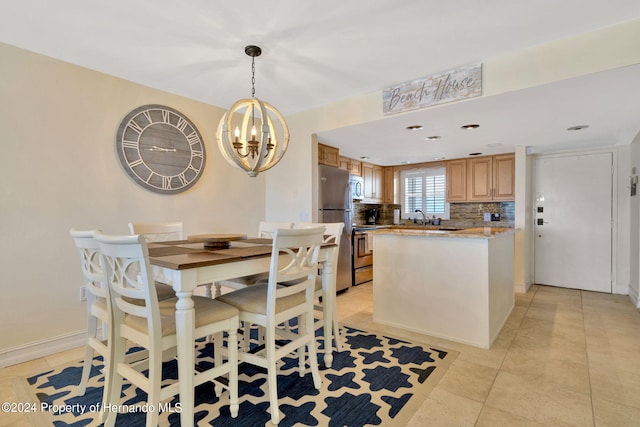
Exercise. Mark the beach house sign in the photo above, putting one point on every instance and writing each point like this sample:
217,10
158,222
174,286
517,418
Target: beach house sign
453,85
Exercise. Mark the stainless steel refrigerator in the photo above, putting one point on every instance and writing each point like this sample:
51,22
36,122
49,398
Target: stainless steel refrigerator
336,205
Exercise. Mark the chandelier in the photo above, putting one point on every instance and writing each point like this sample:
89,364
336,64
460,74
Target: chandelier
252,135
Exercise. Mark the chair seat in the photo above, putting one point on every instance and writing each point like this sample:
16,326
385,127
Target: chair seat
207,311
253,300
241,282
164,291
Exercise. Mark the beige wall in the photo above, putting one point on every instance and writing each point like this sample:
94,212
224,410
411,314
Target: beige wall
60,170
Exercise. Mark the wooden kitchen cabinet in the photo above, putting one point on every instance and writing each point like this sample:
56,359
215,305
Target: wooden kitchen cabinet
504,171
457,180
328,155
491,178
373,176
388,186
351,165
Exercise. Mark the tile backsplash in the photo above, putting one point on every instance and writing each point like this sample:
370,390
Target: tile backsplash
472,214
461,214
385,212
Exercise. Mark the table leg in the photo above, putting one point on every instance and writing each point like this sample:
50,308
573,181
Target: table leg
185,325
328,306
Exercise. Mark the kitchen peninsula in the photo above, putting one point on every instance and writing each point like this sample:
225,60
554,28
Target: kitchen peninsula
456,285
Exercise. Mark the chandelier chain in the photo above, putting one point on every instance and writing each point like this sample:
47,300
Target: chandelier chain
253,77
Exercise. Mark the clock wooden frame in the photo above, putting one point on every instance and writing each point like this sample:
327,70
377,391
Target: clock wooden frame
160,149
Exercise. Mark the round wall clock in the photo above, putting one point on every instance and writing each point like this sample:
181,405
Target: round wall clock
160,148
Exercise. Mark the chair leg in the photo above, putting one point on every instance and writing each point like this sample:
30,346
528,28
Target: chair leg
232,359
336,330
302,329
112,397
217,358
86,370
155,384
272,375
92,331
311,346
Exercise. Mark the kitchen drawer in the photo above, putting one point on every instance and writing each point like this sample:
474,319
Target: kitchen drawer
362,275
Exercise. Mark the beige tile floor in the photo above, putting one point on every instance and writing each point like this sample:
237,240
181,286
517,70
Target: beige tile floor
564,358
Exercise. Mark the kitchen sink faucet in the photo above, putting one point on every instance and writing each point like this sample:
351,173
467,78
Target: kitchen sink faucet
424,217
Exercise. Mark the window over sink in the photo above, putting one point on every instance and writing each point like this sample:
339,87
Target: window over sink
424,189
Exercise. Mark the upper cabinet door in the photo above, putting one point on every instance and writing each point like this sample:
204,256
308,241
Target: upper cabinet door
479,179
504,167
328,155
457,180
373,180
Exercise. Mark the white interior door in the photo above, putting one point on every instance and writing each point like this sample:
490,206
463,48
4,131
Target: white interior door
573,221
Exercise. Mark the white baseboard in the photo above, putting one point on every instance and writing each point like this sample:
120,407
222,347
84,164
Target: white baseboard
633,295
49,346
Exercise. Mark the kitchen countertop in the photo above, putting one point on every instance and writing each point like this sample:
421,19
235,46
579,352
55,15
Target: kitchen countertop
475,233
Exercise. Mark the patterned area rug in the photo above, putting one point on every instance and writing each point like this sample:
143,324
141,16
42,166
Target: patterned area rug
375,380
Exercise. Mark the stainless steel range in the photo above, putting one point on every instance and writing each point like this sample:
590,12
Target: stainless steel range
362,256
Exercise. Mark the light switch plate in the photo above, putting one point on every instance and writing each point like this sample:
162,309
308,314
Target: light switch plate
487,216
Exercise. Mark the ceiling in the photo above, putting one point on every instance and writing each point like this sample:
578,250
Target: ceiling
316,53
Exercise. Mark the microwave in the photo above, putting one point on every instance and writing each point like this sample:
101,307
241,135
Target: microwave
357,187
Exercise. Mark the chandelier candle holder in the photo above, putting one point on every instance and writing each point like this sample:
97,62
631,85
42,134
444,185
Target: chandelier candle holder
253,135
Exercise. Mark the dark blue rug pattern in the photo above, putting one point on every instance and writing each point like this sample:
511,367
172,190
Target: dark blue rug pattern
375,380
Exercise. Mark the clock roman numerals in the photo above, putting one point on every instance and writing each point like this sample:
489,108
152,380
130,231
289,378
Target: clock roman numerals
166,115
166,182
182,125
135,163
134,126
193,138
130,144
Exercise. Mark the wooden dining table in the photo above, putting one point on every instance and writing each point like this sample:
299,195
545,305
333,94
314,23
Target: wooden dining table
185,265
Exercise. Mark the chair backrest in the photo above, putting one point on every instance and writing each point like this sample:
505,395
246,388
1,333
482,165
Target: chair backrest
300,248
128,275
91,264
158,232
266,228
332,233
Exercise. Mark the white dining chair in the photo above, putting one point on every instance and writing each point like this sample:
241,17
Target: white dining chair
161,232
265,231
98,315
158,231
140,319
270,305
324,298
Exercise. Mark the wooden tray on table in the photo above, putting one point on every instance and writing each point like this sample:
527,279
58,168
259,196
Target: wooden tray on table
216,241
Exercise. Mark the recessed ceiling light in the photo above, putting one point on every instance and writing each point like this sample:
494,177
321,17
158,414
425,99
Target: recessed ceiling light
433,137
364,158
471,126
406,162
495,144
414,127
475,154
579,127
439,158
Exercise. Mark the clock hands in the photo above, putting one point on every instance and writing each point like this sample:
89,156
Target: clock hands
165,150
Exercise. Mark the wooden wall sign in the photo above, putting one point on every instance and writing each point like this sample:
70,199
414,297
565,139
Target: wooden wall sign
453,85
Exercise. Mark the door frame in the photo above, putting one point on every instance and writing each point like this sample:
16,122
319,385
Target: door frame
614,208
